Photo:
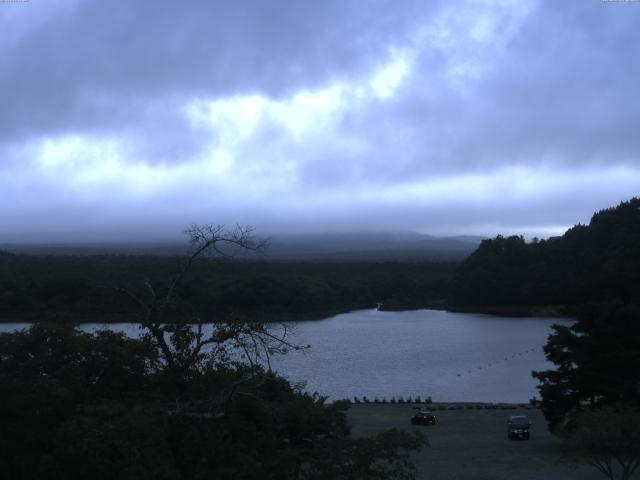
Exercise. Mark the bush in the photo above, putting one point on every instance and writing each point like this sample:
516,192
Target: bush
95,405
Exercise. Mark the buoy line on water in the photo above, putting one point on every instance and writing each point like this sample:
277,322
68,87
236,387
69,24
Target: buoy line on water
416,400
508,358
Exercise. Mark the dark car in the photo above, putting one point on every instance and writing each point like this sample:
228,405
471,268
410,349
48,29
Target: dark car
518,426
423,417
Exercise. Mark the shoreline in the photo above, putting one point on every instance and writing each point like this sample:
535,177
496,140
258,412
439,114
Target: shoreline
447,406
270,317
550,311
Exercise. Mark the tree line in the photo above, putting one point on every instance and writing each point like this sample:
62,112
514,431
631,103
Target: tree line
589,263
83,288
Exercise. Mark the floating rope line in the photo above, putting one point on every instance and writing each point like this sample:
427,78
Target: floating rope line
497,362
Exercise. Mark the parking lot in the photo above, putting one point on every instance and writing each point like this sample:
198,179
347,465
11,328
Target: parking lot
472,444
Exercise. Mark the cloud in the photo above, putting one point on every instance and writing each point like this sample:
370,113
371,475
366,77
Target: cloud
137,118
74,64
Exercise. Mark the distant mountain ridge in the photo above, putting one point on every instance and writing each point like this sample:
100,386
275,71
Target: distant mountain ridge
331,247
371,246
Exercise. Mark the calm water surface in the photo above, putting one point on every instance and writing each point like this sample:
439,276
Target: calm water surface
449,356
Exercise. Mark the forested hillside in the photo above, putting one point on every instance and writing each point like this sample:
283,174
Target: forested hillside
589,263
87,288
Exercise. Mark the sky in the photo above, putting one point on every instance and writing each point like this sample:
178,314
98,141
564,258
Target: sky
132,120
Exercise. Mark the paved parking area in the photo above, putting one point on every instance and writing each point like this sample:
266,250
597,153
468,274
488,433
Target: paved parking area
472,444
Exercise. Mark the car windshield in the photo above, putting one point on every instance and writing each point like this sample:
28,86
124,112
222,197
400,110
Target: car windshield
520,421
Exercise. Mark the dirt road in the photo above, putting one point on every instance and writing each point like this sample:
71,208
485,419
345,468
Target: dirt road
472,444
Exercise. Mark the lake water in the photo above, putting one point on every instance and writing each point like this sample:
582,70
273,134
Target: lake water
448,356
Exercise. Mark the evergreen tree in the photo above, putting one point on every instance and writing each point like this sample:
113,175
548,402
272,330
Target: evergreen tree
596,360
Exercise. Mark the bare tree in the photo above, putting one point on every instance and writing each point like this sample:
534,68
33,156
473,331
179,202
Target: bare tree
183,344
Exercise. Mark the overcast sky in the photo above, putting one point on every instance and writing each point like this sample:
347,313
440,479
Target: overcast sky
127,120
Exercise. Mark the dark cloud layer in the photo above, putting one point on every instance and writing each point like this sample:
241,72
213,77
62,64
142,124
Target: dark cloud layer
137,118
87,62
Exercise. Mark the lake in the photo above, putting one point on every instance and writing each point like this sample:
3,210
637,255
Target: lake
448,356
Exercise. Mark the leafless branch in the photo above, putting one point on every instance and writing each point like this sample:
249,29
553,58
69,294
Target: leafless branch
182,346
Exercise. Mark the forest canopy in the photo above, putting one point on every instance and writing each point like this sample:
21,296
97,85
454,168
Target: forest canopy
589,263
